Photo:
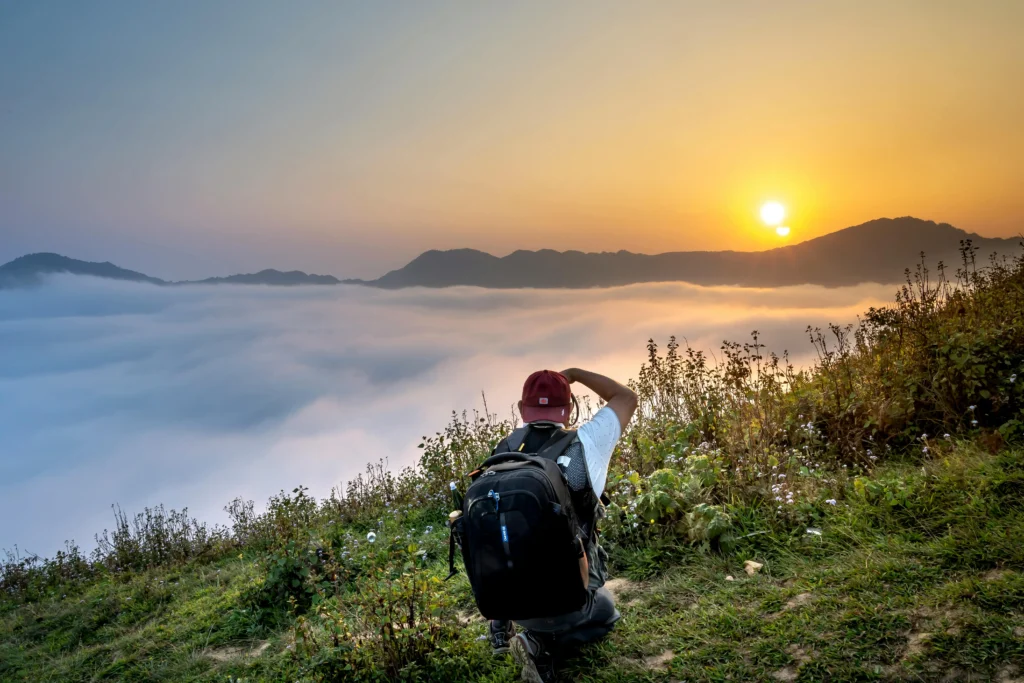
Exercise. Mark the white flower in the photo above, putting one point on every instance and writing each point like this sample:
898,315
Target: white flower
924,449
971,408
974,423
946,437
831,501
924,437
1013,378
371,537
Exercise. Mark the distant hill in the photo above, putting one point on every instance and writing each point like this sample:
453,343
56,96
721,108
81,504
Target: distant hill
271,277
30,269
877,251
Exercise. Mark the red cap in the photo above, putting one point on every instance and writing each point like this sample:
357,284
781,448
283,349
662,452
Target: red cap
546,397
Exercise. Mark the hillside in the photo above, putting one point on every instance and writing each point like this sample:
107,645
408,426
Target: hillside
857,521
877,251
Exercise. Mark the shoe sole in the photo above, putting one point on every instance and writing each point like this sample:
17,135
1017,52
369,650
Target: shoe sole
496,651
522,657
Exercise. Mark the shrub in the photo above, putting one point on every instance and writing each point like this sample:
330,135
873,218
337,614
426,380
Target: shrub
154,537
393,616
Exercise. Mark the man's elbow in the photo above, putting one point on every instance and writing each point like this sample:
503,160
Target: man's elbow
627,402
632,401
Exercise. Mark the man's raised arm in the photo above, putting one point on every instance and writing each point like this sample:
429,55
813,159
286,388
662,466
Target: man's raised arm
621,399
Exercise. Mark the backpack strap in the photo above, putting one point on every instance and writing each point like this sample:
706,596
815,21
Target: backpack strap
516,440
557,444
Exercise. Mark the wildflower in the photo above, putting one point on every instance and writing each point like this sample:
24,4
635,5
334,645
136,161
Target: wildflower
924,437
924,449
428,530
831,501
1013,378
974,423
946,437
371,537
971,408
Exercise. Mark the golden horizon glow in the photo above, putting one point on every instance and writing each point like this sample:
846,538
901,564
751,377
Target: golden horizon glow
356,139
782,231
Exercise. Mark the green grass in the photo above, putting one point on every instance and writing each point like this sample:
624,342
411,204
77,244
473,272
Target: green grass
930,587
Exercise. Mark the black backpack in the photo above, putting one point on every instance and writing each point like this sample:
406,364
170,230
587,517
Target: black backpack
521,540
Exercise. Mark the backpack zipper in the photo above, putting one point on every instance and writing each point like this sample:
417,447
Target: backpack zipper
504,539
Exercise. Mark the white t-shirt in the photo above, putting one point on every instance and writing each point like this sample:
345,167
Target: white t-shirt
598,438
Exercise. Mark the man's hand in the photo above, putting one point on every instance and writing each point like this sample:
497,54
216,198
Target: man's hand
619,398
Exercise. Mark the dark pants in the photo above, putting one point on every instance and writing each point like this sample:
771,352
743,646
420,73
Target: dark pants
591,622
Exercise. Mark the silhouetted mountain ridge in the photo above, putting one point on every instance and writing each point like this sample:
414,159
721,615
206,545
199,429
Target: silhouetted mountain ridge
876,251
29,269
270,276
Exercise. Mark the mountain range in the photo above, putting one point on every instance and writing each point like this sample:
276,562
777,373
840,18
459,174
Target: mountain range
876,251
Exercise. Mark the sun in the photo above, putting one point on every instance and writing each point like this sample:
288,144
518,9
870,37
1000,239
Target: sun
772,213
782,231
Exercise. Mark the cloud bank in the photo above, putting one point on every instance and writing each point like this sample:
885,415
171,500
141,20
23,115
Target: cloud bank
126,393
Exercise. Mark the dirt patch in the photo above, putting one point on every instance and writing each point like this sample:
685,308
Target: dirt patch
797,601
1008,674
1019,631
659,662
788,674
916,643
470,618
620,586
799,654
996,574
230,653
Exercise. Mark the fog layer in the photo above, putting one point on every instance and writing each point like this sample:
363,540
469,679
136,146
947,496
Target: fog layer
133,394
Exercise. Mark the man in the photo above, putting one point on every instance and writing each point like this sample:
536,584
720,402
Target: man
547,403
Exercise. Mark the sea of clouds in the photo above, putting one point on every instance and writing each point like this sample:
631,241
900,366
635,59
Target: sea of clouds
114,392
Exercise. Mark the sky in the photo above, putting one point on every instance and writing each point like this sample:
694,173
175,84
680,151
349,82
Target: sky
194,138
127,393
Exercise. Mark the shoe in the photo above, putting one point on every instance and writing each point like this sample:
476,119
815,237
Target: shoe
538,664
501,639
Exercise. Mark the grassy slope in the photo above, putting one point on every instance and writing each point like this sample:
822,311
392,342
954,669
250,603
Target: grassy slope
929,585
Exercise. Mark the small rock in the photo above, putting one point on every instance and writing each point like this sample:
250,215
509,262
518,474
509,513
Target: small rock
751,567
729,578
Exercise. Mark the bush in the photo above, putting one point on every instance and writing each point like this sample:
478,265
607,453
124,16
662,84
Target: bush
155,537
386,620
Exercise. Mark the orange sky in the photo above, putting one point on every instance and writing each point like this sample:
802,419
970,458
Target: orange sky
346,139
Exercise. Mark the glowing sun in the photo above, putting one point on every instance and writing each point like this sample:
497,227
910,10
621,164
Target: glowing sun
772,213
